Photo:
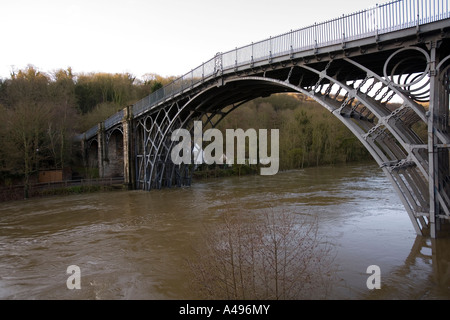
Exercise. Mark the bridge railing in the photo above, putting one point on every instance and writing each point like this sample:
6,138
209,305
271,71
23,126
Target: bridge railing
91,132
384,18
114,119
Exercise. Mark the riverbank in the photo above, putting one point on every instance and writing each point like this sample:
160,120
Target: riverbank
37,190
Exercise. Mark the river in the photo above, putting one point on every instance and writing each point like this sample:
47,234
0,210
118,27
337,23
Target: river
135,244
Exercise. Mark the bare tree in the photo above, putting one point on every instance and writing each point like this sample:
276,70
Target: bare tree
63,116
278,256
26,132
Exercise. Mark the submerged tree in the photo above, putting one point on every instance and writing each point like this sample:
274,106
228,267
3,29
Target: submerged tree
277,257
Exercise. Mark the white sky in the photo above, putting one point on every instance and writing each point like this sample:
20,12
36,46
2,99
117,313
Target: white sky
166,37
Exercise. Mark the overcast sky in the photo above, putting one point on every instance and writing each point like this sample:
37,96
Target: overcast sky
166,37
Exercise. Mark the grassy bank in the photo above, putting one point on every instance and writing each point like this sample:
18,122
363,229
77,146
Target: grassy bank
20,193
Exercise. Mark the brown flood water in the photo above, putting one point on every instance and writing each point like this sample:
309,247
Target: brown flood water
134,244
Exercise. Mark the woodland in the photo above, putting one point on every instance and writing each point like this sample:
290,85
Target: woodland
42,112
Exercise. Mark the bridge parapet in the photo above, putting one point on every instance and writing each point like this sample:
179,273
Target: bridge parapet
114,119
91,132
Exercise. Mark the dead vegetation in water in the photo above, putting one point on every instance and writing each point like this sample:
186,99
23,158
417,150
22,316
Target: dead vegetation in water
280,256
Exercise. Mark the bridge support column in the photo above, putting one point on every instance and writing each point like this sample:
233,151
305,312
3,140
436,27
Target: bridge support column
438,159
128,161
101,149
432,156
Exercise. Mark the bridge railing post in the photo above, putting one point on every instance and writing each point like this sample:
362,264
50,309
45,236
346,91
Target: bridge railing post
418,18
315,38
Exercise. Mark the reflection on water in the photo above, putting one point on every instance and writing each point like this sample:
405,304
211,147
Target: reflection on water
134,244
425,273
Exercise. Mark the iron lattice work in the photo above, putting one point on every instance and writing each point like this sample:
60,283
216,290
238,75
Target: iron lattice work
154,167
361,98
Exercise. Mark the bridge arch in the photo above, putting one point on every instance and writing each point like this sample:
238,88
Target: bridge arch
403,169
359,97
114,153
92,153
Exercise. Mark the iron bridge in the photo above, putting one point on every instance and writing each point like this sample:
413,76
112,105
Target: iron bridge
353,66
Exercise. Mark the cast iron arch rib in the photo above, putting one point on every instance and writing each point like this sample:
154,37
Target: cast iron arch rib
385,144
356,78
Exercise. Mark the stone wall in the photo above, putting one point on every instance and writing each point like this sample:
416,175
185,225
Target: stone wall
113,163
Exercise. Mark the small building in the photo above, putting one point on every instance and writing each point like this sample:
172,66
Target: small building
46,176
